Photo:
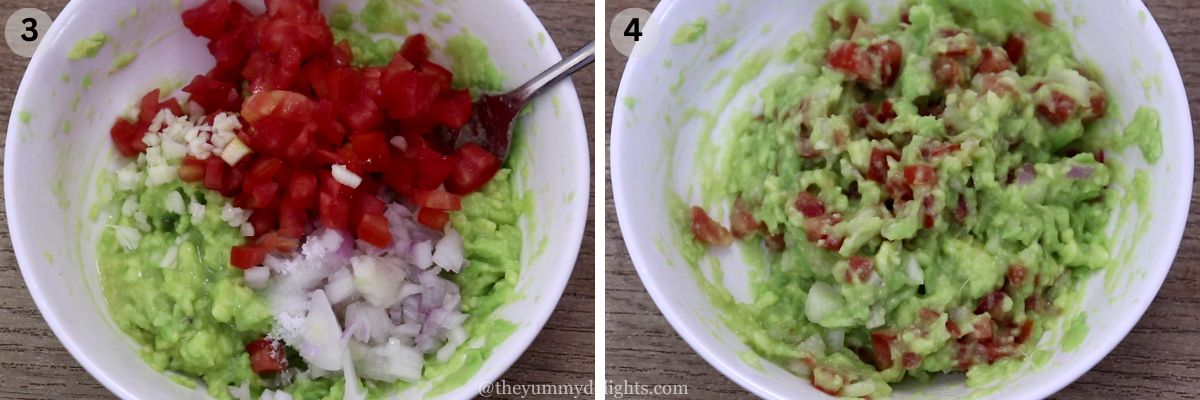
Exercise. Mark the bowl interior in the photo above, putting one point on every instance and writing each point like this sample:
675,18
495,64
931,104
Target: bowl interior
58,143
654,144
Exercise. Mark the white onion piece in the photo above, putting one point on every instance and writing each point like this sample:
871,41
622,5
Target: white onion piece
282,395
913,272
875,317
374,319
421,254
241,392
354,389
378,279
1080,172
1026,174
456,337
256,278
340,286
823,300
388,362
835,339
449,253
321,346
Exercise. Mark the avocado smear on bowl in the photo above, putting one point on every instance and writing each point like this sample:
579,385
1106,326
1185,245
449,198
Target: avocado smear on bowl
916,196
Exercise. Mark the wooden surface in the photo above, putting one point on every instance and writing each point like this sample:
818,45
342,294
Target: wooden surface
1160,359
34,365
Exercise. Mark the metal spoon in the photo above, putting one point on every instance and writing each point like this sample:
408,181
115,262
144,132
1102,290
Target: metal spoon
494,114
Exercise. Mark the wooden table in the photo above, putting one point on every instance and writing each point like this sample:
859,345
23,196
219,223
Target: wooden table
1160,359
34,365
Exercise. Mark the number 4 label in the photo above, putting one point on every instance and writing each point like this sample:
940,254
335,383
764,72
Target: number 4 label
632,27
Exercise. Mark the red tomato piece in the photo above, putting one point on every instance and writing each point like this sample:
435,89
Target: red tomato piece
372,149
214,173
707,231
474,169
810,205
261,195
877,169
286,105
208,20
1014,46
920,175
438,200
439,75
192,169
860,269
847,59
274,241
434,219
1016,275
267,356
214,95
247,256
292,220
373,229
334,212
1058,109
889,55
127,138
947,72
406,93
415,49
741,221
302,190
453,109
1044,18
881,344
994,61
263,170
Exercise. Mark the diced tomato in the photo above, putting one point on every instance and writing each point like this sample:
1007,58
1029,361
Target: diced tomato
407,94
707,231
1014,46
931,213
292,219
230,53
878,168
282,104
846,58
341,53
881,343
303,144
261,195
453,109
191,169
372,149
232,181
1044,18
910,360
1016,275
1058,109
889,55
264,221
247,256
774,242
334,212
741,221
937,149
810,205
862,115
947,72
264,170
1026,330
994,61
439,75
886,112
920,175
214,95
435,219
267,356
1099,106
474,169
860,269
127,138
961,212
415,50
214,173
991,303
438,200
960,44
373,229
274,241
361,115
302,190
208,20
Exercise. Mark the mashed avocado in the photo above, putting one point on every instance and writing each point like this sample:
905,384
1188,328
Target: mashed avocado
88,47
916,195
172,289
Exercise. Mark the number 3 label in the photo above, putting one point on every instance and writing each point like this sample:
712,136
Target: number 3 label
25,30
631,30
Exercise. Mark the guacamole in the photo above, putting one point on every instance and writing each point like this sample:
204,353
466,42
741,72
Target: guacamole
918,195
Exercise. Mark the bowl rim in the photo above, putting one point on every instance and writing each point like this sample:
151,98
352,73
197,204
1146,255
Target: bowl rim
572,116
708,350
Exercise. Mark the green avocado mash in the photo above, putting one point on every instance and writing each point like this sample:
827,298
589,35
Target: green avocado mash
174,292
916,196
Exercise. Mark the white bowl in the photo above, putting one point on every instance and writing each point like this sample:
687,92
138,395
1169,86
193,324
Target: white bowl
1119,35
50,173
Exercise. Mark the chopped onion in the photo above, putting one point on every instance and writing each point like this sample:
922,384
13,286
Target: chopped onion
421,254
341,286
835,339
823,300
1079,172
449,254
913,272
875,317
378,279
256,278
1026,174
322,346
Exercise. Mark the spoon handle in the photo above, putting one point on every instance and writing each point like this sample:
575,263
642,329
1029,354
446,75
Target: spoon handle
569,65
